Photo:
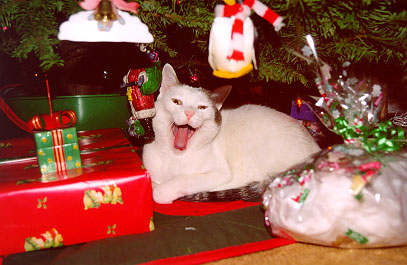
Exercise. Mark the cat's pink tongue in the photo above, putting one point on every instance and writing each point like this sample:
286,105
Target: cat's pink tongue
181,138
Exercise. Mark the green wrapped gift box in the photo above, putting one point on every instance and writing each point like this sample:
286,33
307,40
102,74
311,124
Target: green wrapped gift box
57,150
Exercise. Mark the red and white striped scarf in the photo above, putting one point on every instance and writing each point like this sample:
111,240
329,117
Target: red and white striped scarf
240,13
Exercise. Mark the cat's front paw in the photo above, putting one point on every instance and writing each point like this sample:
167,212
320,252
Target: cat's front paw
164,195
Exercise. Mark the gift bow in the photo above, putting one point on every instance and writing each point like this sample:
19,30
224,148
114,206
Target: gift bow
384,137
56,120
348,132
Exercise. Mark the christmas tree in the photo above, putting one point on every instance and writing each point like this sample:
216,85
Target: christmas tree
366,32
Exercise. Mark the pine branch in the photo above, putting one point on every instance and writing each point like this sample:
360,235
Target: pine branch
364,31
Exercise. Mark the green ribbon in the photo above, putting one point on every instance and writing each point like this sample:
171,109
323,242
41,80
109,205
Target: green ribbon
348,132
384,137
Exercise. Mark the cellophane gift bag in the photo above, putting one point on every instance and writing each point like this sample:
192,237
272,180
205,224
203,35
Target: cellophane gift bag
351,195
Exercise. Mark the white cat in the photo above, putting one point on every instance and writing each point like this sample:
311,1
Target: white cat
198,148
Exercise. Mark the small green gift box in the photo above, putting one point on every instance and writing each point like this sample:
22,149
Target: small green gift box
57,150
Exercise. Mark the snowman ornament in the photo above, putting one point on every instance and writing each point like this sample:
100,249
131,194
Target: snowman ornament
231,50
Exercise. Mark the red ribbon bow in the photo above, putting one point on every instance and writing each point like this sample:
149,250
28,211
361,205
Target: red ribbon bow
57,120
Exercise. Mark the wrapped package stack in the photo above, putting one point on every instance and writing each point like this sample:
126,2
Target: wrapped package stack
108,196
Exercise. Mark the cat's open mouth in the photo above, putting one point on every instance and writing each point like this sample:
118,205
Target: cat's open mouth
182,133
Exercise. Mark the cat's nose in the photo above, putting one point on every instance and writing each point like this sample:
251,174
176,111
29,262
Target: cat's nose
189,114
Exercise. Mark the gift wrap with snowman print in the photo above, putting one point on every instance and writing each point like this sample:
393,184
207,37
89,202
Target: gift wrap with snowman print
352,195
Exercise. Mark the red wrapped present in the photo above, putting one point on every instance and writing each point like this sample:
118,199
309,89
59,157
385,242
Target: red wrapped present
109,196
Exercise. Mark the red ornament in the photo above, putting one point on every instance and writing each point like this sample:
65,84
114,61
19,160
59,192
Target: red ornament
194,78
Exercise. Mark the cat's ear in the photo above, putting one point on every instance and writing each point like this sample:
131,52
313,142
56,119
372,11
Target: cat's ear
169,78
220,94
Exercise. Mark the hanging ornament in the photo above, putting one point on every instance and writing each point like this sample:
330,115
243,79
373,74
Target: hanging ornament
98,23
141,85
152,55
232,57
106,11
193,76
106,14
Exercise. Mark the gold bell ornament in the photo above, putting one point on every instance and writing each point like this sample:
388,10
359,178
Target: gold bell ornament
106,11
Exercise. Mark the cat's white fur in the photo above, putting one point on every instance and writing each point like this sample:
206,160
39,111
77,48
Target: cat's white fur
251,143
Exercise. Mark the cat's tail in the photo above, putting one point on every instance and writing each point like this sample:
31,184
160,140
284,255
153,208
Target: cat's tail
252,192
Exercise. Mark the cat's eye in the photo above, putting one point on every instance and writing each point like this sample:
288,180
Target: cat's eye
176,101
202,107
